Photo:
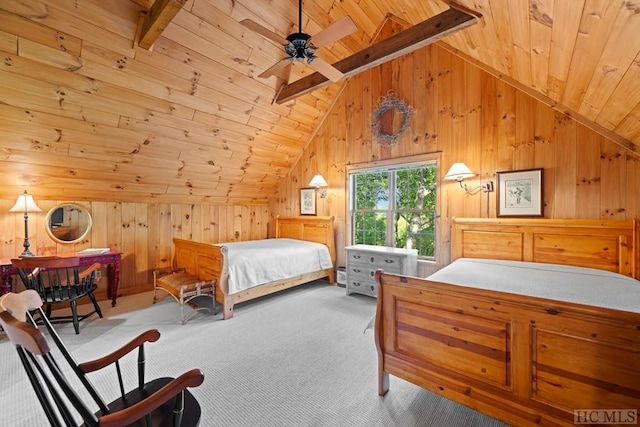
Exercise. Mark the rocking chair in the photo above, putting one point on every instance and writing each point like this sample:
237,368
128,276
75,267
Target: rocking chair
160,402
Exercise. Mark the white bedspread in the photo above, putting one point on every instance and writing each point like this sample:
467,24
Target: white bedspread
558,282
257,262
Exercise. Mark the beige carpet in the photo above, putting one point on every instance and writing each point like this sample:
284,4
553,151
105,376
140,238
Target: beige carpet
298,358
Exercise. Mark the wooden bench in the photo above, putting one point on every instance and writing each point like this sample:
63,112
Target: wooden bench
183,288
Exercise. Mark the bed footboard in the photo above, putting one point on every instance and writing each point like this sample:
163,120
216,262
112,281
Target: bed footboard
205,261
506,355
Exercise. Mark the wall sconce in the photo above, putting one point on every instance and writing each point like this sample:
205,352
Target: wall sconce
459,171
319,182
25,204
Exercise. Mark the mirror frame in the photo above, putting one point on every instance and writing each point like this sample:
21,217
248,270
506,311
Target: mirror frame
47,224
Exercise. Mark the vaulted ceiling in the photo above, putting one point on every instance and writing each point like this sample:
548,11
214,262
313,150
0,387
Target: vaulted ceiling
86,113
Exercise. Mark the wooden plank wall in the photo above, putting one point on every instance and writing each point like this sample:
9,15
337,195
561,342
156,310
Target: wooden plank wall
142,232
169,126
467,115
461,111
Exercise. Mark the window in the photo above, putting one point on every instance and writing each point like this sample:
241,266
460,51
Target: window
395,206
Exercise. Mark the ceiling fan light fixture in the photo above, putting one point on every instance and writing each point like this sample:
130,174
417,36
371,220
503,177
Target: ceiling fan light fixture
300,46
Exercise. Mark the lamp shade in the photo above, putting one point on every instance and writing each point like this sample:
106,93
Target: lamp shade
318,181
459,171
24,204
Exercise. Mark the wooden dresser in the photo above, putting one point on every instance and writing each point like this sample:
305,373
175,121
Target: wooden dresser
364,260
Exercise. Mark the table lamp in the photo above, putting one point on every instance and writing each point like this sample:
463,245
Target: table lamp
25,204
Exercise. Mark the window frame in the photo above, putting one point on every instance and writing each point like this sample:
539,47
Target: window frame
401,162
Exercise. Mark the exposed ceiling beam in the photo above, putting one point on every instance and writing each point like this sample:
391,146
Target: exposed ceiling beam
156,20
407,41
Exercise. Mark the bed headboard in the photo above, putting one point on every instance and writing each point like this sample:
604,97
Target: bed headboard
606,245
310,228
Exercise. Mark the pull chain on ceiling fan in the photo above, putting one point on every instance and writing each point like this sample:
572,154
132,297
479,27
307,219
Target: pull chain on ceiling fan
302,47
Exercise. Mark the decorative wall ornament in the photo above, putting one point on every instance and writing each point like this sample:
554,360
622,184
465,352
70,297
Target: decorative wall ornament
390,103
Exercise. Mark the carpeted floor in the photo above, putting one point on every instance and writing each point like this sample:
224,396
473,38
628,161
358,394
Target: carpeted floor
298,358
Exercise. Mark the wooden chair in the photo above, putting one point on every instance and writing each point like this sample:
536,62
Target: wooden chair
58,280
160,402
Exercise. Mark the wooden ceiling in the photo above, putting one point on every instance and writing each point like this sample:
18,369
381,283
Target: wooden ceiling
85,113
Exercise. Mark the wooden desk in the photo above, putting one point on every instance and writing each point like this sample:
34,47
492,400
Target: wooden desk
111,260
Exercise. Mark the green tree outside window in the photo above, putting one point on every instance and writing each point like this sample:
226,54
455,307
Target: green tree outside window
395,207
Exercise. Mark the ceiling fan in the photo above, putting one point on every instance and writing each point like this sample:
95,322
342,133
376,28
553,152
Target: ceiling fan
302,47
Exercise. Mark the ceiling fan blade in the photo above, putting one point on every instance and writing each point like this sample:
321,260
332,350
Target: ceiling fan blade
257,28
326,69
276,69
334,32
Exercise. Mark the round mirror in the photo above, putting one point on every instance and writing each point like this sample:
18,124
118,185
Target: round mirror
68,223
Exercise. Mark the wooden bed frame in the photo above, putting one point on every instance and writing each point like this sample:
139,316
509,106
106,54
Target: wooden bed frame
208,261
508,355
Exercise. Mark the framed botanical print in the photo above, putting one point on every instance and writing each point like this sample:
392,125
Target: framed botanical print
307,201
519,193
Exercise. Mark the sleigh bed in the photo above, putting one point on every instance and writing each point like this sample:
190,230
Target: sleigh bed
535,322
304,243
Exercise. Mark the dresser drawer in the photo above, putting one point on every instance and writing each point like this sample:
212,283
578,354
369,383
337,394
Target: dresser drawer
366,287
389,263
361,272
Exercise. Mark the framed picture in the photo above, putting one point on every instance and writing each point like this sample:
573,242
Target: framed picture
519,193
307,201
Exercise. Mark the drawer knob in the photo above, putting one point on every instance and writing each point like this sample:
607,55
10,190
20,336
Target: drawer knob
389,261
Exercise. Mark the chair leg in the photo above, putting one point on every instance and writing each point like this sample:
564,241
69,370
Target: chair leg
213,299
95,304
74,314
178,409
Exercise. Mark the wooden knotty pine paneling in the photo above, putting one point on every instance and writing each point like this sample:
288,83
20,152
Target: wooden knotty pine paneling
144,113
142,232
467,115
460,111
